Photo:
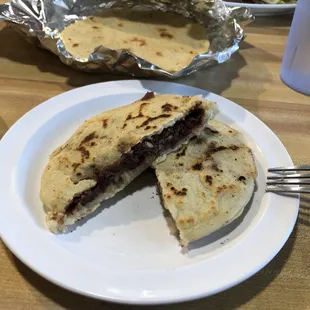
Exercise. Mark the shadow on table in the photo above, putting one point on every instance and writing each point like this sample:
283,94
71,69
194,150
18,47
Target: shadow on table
230,299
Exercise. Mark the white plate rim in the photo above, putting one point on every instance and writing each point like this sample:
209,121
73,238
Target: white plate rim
10,238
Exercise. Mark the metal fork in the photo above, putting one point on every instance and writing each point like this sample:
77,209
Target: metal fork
286,180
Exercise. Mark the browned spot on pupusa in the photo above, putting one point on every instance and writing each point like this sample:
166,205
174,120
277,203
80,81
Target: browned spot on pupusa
141,41
221,188
95,27
75,166
160,54
177,192
89,137
120,25
242,178
212,149
151,119
209,179
104,123
164,33
84,151
167,107
181,153
197,166
75,45
215,167
140,114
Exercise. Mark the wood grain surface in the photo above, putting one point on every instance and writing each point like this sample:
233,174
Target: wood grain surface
29,76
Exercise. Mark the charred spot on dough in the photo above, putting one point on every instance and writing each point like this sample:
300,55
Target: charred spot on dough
197,166
69,39
85,153
242,178
104,123
128,117
230,131
91,18
89,137
151,119
141,41
215,167
191,52
234,147
182,192
209,179
93,143
221,189
120,25
160,54
167,107
95,27
169,184
147,128
75,166
212,149
124,125
182,153
161,29
154,127
149,95
75,45
190,220
79,174
142,105
181,164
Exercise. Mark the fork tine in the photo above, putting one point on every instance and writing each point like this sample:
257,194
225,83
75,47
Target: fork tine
292,168
288,189
289,176
288,181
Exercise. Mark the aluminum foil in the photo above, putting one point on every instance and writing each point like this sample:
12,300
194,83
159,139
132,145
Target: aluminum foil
42,21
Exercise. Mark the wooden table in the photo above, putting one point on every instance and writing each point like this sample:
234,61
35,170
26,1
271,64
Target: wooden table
29,76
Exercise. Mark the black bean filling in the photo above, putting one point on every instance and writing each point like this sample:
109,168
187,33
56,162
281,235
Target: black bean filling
148,149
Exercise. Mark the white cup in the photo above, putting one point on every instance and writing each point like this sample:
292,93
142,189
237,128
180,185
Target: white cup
295,69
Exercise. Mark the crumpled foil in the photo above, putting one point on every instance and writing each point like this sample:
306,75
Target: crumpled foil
43,20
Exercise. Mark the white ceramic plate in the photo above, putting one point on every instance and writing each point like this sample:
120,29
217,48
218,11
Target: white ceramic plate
265,9
125,252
